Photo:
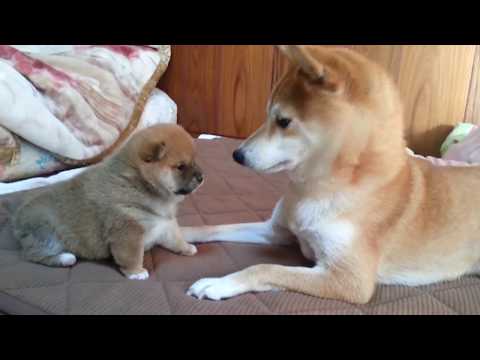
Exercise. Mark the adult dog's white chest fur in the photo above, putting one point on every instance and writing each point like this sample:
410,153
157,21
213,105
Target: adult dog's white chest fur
320,230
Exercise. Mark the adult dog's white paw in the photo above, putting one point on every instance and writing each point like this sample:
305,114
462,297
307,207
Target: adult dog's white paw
217,288
190,250
143,275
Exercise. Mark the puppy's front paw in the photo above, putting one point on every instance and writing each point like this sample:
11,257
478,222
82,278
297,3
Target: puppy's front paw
216,288
138,275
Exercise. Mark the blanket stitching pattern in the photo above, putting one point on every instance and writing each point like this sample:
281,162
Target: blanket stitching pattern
230,194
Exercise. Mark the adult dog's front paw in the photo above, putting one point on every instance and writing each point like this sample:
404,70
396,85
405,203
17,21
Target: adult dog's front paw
189,250
217,288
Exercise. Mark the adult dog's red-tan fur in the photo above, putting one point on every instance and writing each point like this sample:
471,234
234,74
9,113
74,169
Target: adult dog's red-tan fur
361,208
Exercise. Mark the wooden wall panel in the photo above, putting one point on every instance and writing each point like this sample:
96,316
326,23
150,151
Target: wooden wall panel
434,81
191,80
224,89
245,82
220,89
472,114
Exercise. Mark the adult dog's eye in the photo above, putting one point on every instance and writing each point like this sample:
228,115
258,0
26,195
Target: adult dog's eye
181,167
284,122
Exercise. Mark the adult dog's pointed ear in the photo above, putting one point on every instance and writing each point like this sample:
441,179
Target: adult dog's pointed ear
318,64
299,55
153,152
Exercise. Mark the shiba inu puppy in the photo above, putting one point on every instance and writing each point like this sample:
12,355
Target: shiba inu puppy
119,208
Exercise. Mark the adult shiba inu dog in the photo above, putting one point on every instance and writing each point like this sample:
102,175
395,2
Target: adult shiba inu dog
362,209
119,208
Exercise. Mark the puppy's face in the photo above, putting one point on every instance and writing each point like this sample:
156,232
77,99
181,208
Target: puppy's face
318,107
166,160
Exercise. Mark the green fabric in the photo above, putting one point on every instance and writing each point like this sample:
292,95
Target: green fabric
460,132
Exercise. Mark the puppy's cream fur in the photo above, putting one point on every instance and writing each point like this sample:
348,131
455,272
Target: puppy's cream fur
362,209
119,208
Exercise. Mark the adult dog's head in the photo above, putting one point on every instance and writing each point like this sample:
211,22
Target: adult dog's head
330,105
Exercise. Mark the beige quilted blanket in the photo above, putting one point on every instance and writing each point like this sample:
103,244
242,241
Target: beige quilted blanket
231,194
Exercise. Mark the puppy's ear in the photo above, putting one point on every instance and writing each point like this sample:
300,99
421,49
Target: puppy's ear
153,152
317,64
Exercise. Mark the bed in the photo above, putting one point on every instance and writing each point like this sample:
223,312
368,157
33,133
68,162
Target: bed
230,194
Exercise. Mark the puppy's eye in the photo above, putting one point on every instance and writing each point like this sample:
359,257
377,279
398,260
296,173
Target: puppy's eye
181,167
284,123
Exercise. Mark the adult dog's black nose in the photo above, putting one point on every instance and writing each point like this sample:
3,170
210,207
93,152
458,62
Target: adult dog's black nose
239,157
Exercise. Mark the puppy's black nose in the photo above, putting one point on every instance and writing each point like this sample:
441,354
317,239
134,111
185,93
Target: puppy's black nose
199,177
239,157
